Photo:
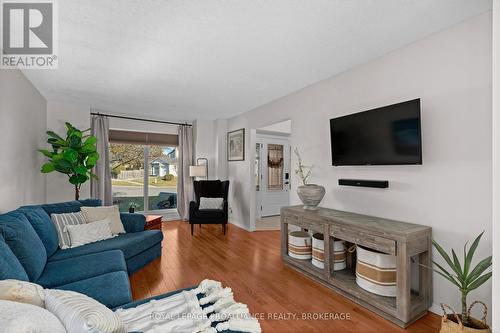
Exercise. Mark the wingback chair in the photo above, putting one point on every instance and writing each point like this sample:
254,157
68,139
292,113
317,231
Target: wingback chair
209,189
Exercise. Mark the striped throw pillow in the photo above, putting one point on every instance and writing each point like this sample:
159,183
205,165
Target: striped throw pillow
63,220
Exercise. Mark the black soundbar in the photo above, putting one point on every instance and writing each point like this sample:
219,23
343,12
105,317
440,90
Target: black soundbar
364,183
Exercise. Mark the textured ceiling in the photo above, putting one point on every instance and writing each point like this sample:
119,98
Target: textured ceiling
183,60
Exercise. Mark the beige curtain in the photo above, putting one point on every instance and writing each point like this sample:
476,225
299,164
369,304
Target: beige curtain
184,182
101,188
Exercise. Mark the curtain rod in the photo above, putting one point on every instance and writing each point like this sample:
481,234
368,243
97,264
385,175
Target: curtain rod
139,119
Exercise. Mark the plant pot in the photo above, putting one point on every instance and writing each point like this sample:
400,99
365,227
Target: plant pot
131,210
311,195
452,323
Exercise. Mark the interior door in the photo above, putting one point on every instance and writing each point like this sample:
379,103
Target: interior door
274,167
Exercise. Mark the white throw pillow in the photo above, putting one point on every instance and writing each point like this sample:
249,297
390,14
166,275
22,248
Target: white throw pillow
89,233
82,314
93,214
211,203
22,291
61,221
26,318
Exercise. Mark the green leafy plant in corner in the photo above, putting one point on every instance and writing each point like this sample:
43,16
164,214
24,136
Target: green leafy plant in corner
461,274
74,156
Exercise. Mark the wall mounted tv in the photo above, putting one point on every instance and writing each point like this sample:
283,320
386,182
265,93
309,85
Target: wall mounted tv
389,135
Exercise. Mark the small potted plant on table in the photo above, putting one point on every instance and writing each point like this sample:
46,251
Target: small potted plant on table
132,206
466,280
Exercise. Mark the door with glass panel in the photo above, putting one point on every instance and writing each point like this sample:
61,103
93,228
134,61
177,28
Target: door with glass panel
272,175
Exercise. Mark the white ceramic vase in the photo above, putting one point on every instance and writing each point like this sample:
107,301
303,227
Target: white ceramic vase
311,195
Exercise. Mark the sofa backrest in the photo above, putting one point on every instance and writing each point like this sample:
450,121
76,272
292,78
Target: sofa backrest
10,267
44,227
39,217
24,242
68,206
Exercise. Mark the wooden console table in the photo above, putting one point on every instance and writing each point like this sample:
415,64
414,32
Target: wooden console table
409,242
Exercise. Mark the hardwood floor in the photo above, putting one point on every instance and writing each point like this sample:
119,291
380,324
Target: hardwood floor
250,264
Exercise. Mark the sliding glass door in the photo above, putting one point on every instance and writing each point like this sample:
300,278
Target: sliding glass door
162,178
144,177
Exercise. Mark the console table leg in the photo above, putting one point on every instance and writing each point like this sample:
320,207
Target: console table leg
284,238
403,278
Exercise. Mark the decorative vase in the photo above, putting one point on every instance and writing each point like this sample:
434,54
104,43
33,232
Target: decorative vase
131,210
311,195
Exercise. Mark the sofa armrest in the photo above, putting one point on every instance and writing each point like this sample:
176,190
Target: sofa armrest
133,222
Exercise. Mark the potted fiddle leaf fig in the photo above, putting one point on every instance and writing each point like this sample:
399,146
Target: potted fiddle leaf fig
75,156
465,279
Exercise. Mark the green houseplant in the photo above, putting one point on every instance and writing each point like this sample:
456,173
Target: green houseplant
132,206
74,156
466,279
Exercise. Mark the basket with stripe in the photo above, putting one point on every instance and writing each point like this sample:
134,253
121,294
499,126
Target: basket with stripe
376,271
318,251
339,255
299,245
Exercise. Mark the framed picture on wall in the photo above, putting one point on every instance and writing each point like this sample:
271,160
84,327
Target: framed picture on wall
236,145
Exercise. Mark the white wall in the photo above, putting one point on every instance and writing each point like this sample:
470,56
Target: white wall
204,143
210,142
22,132
58,187
496,166
451,192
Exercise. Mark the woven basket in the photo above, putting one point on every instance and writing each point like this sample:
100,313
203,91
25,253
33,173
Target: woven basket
452,323
318,250
299,245
376,271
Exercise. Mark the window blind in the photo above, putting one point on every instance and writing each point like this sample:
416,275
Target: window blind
143,138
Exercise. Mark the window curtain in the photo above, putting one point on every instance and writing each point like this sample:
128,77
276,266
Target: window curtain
184,182
101,188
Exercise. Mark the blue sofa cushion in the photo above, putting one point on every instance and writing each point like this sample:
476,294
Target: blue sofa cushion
43,226
91,202
69,206
24,243
10,267
111,289
142,259
69,270
133,222
131,244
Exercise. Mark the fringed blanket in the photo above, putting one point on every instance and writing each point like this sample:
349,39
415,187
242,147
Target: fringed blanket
209,308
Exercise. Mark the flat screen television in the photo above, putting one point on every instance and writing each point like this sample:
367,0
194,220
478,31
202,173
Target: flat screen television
388,135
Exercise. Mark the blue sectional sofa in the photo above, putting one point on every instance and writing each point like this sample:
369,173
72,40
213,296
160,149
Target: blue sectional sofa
29,251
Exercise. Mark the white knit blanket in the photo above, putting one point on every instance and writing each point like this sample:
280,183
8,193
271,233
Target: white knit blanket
183,313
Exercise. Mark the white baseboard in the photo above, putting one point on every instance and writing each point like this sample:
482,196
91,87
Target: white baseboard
240,225
436,308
